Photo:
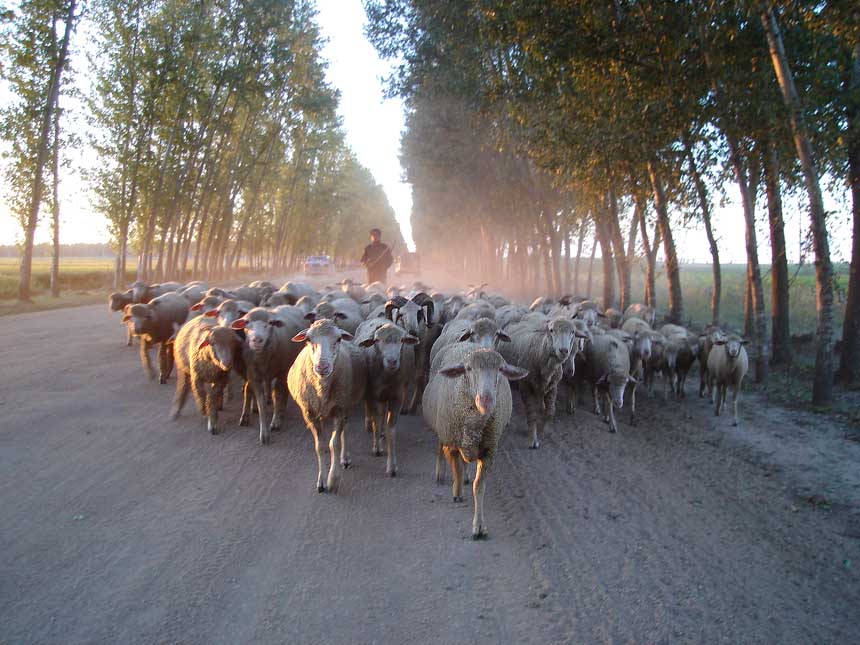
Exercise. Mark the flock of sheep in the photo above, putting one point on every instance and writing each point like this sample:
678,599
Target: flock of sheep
394,350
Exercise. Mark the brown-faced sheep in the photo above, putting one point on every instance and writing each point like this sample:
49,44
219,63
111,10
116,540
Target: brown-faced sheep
156,323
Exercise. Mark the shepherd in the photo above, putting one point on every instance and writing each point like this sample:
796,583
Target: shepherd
377,258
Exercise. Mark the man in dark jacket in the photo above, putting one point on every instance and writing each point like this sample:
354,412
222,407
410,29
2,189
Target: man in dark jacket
377,258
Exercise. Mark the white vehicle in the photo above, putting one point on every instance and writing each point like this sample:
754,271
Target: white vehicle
318,265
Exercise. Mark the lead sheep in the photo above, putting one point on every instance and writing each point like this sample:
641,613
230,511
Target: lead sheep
119,302
390,370
540,347
204,353
727,366
156,323
468,407
326,380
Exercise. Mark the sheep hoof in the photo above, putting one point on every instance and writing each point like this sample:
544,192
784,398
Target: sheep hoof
735,424
480,535
162,380
392,473
213,429
274,428
264,439
535,445
174,414
458,499
320,488
244,421
346,463
612,430
377,453
466,480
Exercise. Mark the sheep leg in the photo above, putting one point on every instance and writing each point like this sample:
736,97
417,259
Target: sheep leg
334,470
376,415
165,362
261,395
315,429
735,392
479,528
457,469
718,404
183,386
145,358
532,415
613,426
703,382
198,388
245,417
440,464
595,397
279,403
391,438
345,461
130,335
633,387
211,408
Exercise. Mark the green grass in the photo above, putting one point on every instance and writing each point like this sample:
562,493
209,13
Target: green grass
78,275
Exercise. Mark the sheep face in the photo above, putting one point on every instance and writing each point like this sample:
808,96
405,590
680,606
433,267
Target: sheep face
209,303
388,341
589,316
410,315
258,329
324,339
615,384
223,344
561,335
642,346
733,345
141,317
118,301
482,370
485,333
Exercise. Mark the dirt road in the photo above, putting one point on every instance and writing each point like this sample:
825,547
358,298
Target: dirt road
119,526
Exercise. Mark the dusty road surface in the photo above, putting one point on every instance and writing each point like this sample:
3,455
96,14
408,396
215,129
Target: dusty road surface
119,526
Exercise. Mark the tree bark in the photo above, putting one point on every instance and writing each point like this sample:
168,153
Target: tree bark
822,387
673,274
55,206
603,237
578,257
779,303
705,207
849,359
26,270
591,266
650,256
614,230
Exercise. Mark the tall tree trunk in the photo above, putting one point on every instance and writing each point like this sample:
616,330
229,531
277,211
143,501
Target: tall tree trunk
55,207
591,266
567,264
603,236
614,230
673,273
578,257
822,386
705,207
650,296
52,95
119,275
849,359
779,304
749,316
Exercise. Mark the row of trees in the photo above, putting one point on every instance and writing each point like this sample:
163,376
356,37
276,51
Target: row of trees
532,125
216,133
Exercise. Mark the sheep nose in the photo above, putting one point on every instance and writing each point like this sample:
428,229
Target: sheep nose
390,364
323,369
484,403
563,352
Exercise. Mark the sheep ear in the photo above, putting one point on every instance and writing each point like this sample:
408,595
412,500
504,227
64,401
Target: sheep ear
580,334
339,315
197,307
367,342
454,371
345,335
310,316
239,324
466,336
126,318
301,337
409,339
212,313
745,342
502,336
204,343
276,322
513,373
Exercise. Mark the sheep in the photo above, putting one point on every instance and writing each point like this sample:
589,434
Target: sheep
156,323
642,344
474,293
277,299
299,289
267,355
417,317
483,332
118,302
326,380
390,370
727,366
643,312
607,370
540,347
193,292
307,303
612,318
143,293
204,354
679,354
372,302
251,294
468,407
710,336
346,312
475,310
582,335
510,314
226,311
353,290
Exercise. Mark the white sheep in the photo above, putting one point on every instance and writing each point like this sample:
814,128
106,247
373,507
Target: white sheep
484,332
327,380
540,347
468,404
607,369
727,366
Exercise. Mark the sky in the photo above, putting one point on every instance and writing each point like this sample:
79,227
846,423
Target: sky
373,127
